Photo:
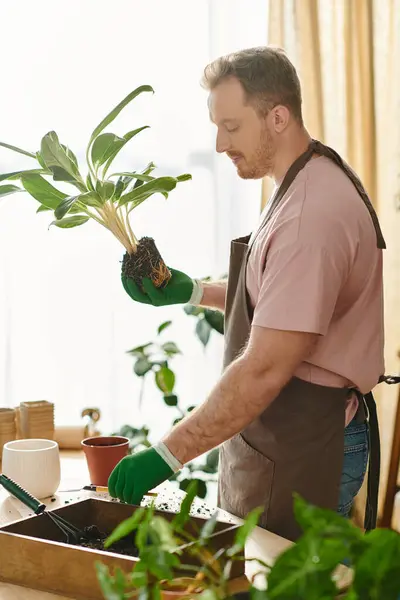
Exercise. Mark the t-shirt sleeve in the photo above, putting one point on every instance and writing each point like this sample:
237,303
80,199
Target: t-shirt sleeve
300,286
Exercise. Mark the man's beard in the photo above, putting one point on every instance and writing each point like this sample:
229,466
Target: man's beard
261,162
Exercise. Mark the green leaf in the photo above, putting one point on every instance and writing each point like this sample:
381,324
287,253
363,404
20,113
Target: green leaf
139,350
106,582
245,530
377,572
43,208
208,528
176,421
210,594
142,366
65,205
69,222
115,112
126,527
170,348
184,177
105,190
160,185
128,136
212,459
6,190
89,183
305,569
70,155
163,326
318,519
40,160
201,486
16,149
104,146
60,160
184,513
164,533
203,331
215,319
195,311
190,408
165,380
18,174
42,190
171,399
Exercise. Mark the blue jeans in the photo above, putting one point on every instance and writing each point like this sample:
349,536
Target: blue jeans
354,465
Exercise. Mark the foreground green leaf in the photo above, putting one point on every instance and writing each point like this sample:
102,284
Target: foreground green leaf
184,513
69,222
42,190
208,528
164,533
245,530
125,528
107,583
377,573
16,149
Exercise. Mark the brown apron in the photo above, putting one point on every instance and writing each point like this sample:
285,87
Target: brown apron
297,443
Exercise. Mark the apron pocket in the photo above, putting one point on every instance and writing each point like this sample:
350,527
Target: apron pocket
245,478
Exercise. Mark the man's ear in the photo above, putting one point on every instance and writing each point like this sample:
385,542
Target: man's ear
279,118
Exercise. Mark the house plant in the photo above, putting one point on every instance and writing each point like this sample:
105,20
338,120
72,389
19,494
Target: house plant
161,571
153,360
108,199
308,570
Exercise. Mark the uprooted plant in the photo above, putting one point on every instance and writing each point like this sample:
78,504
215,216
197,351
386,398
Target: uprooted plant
106,199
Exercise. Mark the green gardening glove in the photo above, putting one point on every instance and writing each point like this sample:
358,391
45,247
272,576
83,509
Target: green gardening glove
135,475
178,290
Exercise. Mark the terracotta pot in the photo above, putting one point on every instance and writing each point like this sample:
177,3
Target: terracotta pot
102,455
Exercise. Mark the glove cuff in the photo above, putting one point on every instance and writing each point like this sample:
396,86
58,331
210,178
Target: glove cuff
168,457
197,293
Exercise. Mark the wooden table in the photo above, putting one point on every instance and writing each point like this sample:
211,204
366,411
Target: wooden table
262,544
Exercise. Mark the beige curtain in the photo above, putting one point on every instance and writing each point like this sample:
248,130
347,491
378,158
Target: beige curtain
347,53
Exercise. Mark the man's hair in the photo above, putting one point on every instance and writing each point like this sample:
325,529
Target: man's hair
266,75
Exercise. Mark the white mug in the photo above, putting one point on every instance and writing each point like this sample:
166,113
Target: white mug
34,465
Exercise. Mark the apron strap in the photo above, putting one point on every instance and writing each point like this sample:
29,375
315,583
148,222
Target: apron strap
374,466
323,150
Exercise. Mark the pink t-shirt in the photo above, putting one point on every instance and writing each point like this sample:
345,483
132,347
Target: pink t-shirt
315,267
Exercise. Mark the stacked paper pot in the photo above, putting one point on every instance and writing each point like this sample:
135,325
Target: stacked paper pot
36,420
7,427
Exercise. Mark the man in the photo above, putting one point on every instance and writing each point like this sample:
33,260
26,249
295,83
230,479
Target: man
303,315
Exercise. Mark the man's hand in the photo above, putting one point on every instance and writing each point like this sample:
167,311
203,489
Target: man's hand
178,290
135,475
